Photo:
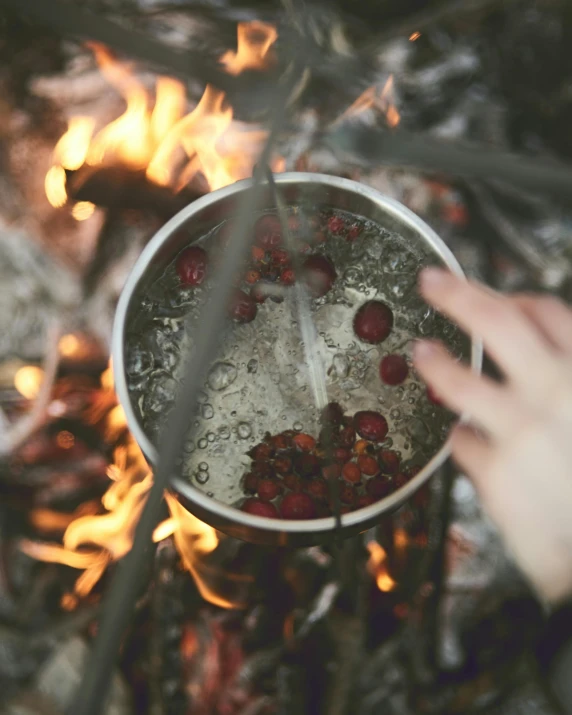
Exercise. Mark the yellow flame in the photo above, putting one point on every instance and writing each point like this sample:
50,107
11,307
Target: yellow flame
377,567
68,345
374,98
28,380
71,150
253,48
83,210
55,186
164,530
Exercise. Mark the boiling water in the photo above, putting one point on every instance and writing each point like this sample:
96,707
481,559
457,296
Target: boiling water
260,382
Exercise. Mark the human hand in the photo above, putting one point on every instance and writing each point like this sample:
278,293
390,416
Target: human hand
520,459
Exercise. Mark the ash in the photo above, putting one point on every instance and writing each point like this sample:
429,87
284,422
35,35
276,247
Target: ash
311,638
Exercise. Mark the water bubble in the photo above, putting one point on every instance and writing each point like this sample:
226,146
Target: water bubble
202,477
202,443
244,430
208,411
210,494
298,426
222,375
211,436
203,467
340,366
252,366
413,387
189,446
411,400
395,413
224,433
233,413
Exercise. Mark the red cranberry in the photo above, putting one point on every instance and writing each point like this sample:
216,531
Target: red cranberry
377,487
389,461
365,500
279,256
262,451
307,465
318,489
258,294
268,489
268,231
342,454
282,441
283,465
243,308
347,494
298,506
368,465
412,471
400,480
287,277
192,266
252,276
320,274
293,482
260,508
354,232
257,253
347,437
373,322
362,446
331,471
393,369
371,425
433,397
332,414
304,442
262,469
250,483
336,224
352,473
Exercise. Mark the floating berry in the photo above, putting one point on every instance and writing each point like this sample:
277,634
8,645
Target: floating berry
351,473
287,277
319,274
400,480
373,322
393,369
347,494
371,425
304,442
258,294
262,469
317,488
368,465
377,487
332,471
282,441
298,505
192,266
332,414
262,451
252,276
307,465
258,254
389,461
243,307
283,465
413,471
260,508
347,437
250,483
361,446
336,224
268,231
293,482
268,489
364,500
342,454
279,256
353,233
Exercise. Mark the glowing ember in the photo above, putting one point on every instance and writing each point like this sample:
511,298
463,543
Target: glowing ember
377,100
155,133
414,36
376,566
28,380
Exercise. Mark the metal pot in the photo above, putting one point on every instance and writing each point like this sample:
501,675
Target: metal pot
202,216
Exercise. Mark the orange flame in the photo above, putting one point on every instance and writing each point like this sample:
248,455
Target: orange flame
377,100
158,136
91,540
377,567
28,380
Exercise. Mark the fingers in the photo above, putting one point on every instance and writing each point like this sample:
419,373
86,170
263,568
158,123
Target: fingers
507,334
471,452
488,403
551,317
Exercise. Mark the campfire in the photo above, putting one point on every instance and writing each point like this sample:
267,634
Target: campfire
237,628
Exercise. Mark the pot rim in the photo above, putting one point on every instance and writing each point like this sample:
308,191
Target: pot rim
194,495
